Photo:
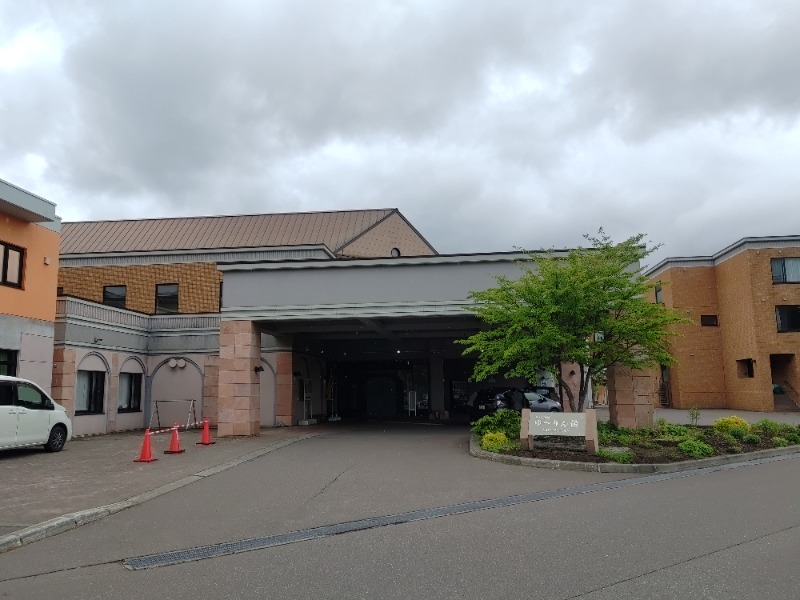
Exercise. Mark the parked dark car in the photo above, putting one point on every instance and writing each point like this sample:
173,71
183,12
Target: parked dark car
487,401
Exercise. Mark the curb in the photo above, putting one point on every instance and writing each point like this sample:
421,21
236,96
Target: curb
57,525
542,463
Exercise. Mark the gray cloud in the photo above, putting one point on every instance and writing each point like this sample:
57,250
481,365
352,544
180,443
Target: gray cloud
491,126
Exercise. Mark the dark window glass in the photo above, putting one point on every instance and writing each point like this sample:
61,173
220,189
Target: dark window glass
11,264
130,392
90,392
166,298
788,318
659,295
30,397
114,295
786,270
6,394
708,320
8,362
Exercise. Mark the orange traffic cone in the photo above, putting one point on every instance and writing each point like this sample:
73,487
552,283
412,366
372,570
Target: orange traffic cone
146,455
205,440
175,442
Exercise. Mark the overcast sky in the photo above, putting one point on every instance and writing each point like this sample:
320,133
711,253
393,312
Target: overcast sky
490,125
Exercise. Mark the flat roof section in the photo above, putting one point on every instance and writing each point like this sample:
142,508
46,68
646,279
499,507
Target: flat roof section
24,205
744,244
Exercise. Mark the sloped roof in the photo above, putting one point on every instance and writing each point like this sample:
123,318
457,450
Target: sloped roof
334,229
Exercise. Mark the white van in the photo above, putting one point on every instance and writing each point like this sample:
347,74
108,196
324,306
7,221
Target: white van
29,417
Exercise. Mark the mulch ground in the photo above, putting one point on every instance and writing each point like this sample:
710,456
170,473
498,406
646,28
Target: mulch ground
668,452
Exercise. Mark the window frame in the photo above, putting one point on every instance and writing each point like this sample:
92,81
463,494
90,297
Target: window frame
781,278
709,321
159,310
135,392
96,391
5,248
111,303
12,362
659,293
786,309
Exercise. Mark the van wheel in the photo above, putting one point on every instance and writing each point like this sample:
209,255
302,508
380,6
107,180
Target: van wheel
57,439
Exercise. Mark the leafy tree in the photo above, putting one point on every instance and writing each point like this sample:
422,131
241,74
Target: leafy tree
586,306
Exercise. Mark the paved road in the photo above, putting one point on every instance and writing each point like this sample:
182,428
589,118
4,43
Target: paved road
726,534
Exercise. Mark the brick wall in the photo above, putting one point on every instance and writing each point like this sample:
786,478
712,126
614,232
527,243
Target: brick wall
740,292
393,232
198,284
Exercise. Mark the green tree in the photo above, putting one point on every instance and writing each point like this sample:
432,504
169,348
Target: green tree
586,306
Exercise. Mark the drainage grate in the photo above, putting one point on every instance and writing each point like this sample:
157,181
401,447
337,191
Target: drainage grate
303,535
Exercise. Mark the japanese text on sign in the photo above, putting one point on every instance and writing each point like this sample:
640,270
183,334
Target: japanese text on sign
558,424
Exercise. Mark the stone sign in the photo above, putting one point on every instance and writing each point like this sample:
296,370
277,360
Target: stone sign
561,424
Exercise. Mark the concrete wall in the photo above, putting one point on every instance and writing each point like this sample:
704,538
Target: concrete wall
362,285
33,340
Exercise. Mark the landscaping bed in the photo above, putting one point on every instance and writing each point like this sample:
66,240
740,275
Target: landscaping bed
661,444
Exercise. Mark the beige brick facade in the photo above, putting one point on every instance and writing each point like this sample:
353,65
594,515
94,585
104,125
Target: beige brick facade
392,232
198,284
740,292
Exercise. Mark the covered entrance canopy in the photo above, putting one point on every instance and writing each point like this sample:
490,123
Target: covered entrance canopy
365,338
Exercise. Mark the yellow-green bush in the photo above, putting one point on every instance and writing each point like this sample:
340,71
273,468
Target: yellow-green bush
725,424
494,441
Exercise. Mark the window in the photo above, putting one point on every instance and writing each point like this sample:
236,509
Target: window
90,392
709,320
786,270
11,260
788,318
166,298
114,295
8,362
130,392
745,368
31,398
659,295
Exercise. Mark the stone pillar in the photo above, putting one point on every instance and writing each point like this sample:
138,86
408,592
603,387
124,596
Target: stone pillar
238,403
64,379
284,402
437,384
631,395
211,389
113,393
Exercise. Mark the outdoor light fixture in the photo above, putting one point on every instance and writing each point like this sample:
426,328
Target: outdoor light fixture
258,369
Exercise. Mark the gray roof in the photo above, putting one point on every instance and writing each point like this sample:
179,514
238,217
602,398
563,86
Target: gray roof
334,229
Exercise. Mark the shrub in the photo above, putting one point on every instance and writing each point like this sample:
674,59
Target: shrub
767,427
738,432
695,449
504,421
779,441
627,439
646,443
793,438
675,432
624,458
725,424
495,441
694,415
751,438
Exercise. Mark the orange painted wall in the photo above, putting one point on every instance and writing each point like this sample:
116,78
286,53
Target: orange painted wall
37,298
